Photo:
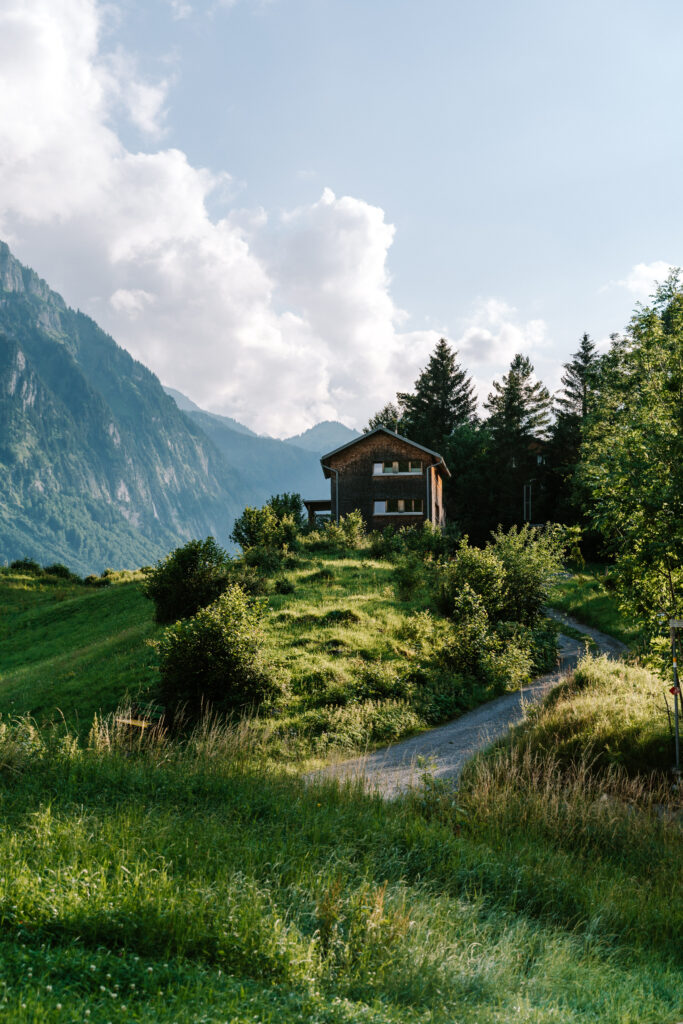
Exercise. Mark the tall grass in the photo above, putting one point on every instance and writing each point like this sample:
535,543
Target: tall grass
184,882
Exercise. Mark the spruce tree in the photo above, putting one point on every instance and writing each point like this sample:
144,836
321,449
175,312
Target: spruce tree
573,404
443,399
519,407
519,418
388,416
574,397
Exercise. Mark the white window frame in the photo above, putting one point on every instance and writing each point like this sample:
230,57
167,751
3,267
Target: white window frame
380,507
379,470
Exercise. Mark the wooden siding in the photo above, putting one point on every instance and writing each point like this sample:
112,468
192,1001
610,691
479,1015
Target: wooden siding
359,488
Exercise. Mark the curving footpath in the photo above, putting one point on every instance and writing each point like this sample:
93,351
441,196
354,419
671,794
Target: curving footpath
445,750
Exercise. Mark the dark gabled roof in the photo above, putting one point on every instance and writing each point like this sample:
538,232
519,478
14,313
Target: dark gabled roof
391,433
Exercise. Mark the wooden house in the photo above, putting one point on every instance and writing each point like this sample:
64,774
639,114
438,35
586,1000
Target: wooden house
390,479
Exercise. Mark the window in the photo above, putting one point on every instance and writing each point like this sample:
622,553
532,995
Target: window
398,506
396,466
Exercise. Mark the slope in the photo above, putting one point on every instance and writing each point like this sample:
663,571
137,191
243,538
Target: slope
97,464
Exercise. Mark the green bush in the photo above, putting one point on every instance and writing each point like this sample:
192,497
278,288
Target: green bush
409,576
61,571
531,558
214,660
191,577
478,569
276,525
27,566
264,559
96,581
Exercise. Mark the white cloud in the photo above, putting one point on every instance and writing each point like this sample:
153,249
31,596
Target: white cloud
279,324
642,279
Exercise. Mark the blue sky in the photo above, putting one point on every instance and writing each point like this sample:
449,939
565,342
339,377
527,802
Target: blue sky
279,205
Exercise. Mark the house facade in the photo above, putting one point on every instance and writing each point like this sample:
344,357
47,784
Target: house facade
390,479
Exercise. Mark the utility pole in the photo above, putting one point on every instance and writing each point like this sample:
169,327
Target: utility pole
674,626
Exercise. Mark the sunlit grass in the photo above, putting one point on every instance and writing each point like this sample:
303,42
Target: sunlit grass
584,594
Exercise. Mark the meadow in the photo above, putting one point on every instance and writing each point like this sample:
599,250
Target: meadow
204,880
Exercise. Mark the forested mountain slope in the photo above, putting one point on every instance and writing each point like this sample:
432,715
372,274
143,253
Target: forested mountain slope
98,466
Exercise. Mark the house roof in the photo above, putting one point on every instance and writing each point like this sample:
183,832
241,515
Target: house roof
391,433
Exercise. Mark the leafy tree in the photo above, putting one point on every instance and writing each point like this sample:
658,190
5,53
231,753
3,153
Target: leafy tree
272,526
632,456
519,410
388,416
443,398
190,578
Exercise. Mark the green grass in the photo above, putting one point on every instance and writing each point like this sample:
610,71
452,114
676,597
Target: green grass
180,883
72,650
611,713
356,660
585,595
200,881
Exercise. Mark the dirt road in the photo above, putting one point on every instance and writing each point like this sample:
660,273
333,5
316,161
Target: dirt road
446,748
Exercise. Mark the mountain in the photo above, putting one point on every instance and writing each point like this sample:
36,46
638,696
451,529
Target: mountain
265,465
187,405
102,466
323,437
98,466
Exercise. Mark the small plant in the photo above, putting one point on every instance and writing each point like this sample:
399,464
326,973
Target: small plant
214,660
188,579
284,586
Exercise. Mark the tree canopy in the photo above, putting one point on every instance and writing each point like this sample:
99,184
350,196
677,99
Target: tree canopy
443,398
632,456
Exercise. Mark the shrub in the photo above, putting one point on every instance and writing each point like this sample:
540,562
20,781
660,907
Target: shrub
289,504
470,637
28,566
188,579
409,576
284,586
61,571
530,558
263,558
276,525
214,660
96,581
480,570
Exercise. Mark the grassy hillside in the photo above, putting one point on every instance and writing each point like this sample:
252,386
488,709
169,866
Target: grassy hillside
72,650
589,595
356,661
179,883
202,880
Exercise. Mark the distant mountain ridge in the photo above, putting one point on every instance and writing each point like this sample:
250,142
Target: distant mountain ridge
324,437
98,465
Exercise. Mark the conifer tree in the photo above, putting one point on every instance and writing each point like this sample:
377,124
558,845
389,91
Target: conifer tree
519,406
388,416
443,399
574,398
519,418
573,404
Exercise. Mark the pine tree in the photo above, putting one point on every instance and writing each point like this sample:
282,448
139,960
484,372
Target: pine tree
574,398
519,407
573,403
388,416
519,417
443,398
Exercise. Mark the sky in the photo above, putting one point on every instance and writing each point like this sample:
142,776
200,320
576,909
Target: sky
279,206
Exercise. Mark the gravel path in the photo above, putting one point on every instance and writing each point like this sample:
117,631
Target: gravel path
446,749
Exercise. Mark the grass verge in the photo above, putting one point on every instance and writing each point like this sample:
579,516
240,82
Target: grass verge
588,595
